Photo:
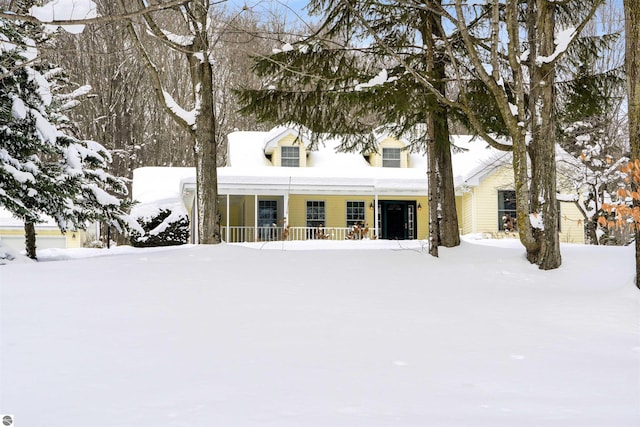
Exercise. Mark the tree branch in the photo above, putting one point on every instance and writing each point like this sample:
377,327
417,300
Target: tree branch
422,79
155,76
99,19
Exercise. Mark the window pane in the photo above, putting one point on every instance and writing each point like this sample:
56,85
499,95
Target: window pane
355,213
315,213
391,157
506,210
267,212
290,156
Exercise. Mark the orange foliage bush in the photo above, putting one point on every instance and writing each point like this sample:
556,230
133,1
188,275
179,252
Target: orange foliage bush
627,211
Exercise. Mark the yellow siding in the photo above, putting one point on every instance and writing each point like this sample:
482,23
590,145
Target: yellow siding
570,230
464,206
73,239
289,141
486,199
336,210
235,211
376,158
486,208
249,208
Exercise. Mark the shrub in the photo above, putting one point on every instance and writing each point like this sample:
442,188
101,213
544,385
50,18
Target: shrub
165,223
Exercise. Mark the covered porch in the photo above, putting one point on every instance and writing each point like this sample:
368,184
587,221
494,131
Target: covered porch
265,218
264,208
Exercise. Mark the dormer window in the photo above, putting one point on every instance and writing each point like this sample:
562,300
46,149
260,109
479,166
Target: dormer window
290,157
391,157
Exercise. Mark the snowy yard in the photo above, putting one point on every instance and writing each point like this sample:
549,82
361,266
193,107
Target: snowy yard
369,333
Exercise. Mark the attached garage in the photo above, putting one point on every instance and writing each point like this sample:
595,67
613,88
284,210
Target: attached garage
16,242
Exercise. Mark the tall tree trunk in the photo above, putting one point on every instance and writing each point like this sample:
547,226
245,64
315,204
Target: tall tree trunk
30,239
632,34
203,131
448,227
432,184
428,27
205,144
543,198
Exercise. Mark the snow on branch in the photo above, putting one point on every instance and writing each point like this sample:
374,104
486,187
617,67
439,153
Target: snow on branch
81,91
58,21
65,10
178,39
378,80
562,41
187,116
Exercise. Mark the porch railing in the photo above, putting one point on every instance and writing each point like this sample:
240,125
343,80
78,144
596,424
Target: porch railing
269,234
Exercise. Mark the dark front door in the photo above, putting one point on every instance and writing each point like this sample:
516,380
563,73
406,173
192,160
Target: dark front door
397,219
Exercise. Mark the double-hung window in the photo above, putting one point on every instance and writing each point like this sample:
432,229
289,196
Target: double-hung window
290,157
391,157
355,213
315,213
506,210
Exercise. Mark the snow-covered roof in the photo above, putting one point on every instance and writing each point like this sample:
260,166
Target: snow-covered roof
270,139
157,183
328,171
7,220
474,159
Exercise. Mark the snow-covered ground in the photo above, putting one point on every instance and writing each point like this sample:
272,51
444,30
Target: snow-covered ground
368,333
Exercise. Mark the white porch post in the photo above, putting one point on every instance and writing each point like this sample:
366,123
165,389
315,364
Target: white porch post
286,209
375,215
255,218
228,218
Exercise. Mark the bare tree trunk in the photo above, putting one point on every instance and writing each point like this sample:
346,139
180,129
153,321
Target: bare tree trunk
428,26
30,239
432,184
543,199
448,227
632,34
205,133
203,128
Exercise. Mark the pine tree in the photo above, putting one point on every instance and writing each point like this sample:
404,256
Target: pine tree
44,169
331,84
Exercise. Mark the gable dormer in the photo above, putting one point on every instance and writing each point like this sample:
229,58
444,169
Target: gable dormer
287,147
392,153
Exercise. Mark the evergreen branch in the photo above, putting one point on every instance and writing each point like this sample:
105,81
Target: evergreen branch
441,98
578,30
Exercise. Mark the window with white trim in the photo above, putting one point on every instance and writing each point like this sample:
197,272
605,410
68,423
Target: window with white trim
290,157
315,213
391,157
506,210
355,213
